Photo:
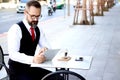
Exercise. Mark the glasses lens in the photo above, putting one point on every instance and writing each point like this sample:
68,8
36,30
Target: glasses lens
34,16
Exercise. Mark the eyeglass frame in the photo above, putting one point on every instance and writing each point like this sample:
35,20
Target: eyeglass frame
34,16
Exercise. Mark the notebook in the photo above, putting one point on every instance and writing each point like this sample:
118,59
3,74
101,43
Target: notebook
50,53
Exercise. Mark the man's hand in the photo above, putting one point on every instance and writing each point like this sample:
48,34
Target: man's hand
40,58
42,50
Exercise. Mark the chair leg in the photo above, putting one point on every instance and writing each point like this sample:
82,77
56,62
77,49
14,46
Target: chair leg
66,76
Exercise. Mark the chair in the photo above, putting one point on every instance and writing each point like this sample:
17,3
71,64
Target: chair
63,75
3,65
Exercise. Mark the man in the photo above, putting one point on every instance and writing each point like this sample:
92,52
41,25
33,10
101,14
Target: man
23,38
54,5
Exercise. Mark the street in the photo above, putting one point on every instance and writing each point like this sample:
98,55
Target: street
9,17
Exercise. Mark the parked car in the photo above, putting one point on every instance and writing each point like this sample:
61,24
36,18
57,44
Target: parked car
59,4
21,6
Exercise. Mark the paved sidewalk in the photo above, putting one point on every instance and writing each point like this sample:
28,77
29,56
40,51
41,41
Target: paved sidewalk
100,41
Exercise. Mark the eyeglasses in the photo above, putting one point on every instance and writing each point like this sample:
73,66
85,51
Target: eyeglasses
34,16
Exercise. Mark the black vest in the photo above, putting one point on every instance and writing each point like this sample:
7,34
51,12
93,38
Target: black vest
28,46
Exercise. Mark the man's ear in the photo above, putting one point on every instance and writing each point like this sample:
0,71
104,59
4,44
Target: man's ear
25,12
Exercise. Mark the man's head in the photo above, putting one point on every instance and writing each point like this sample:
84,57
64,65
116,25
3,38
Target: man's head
32,12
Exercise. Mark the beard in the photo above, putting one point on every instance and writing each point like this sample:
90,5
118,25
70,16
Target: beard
33,23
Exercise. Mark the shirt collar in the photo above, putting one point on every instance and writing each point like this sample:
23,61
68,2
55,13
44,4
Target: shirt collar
26,24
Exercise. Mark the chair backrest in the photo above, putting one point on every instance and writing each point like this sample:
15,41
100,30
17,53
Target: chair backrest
1,57
67,75
2,64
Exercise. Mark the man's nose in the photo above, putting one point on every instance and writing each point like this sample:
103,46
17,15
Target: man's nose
35,19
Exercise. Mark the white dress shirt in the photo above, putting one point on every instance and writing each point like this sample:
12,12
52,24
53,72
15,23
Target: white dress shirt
14,37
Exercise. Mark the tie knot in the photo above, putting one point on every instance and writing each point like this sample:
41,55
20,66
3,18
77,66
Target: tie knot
31,28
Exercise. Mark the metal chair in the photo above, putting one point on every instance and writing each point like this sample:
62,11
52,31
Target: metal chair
63,75
3,65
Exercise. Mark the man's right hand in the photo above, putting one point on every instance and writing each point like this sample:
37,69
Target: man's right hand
40,58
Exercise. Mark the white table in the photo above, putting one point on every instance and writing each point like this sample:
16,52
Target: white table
71,64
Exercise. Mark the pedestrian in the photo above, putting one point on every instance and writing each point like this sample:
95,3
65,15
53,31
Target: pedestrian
23,38
50,9
54,5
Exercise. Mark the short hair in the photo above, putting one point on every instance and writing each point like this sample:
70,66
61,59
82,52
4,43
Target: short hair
33,3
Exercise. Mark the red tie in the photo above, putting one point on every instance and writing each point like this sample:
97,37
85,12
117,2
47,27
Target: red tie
32,32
